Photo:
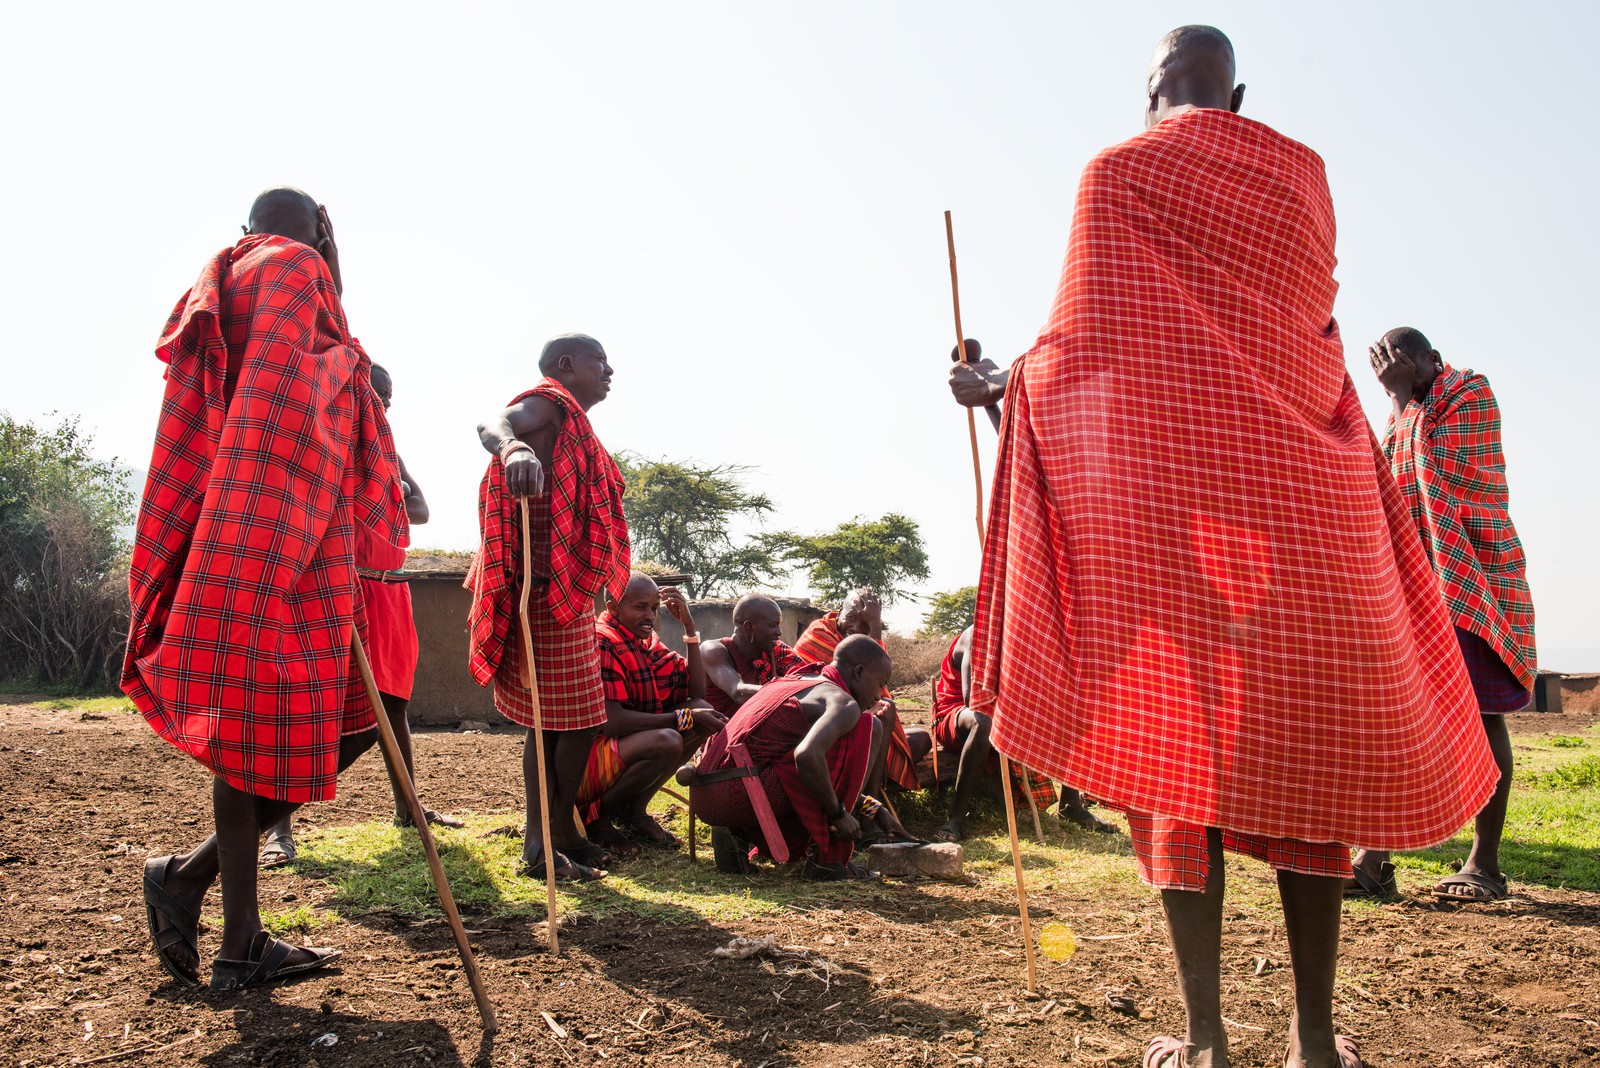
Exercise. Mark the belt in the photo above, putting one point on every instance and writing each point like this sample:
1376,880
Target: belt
382,576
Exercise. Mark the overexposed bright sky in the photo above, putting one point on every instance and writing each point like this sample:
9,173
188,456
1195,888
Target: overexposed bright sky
743,202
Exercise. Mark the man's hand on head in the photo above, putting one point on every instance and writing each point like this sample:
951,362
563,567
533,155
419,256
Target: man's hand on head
975,385
328,247
1396,373
524,474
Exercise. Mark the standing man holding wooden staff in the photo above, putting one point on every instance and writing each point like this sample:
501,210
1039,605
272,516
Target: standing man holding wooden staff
546,454
270,451
1203,599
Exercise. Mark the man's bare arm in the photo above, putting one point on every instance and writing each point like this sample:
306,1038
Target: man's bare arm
416,503
721,673
839,717
510,433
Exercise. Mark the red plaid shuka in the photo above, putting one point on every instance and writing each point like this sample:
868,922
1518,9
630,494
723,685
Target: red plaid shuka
773,664
580,547
816,644
1212,600
270,450
768,727
948,701
1446,456
643,675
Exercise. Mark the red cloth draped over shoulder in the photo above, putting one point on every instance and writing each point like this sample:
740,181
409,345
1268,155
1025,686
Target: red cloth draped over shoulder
589,550
270,450
816,645
1447,457
1202,595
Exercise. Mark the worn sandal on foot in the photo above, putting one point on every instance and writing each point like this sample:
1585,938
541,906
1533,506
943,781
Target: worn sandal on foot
278,850
1164,1052
266,964
1471,887
182,926
567,869
1382,887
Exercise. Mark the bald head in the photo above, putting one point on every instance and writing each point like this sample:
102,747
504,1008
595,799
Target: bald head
287,212
637,606
573,345
1192,68
757,624
753,606
865,667
638,585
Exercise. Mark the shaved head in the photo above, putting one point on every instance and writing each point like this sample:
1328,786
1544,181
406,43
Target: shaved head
858,650
1193,67
287,212
754,607
565,345
638,583
1409,340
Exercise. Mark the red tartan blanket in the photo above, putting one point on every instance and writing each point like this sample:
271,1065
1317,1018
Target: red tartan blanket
1212,600
1447,458
643,675
587,536
242,581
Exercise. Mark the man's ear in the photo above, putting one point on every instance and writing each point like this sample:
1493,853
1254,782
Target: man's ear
1238,98
564,362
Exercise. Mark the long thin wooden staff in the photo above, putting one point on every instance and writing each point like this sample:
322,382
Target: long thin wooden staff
419,816
552,918
1005,765
961,344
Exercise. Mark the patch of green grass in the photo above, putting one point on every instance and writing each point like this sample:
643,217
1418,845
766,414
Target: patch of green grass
100,705
298,919
1575,776
1567,741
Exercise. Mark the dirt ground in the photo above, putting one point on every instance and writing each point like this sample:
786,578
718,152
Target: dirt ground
928,974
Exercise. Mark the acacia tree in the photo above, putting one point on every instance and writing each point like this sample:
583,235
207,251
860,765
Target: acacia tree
681,515
884,553
63,558
949,613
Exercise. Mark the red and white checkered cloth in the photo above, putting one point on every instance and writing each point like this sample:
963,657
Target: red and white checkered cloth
1212,599
270,449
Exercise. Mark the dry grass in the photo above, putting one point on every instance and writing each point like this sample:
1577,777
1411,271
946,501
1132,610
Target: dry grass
915,659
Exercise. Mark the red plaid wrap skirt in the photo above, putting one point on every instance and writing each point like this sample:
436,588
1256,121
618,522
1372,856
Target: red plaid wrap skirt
566,659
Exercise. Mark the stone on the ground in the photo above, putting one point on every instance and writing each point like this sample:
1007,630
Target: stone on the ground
935,860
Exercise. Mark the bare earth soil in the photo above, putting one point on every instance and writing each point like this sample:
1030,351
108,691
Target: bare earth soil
927,974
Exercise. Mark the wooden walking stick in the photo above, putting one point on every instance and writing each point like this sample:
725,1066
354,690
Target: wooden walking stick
1005,765
419,816
961,345
1033,804
531,677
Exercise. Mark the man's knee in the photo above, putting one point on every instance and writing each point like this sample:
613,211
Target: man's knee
352,746
652,747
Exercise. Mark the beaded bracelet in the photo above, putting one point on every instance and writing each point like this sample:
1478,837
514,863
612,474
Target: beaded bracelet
685,721
511,445
869,806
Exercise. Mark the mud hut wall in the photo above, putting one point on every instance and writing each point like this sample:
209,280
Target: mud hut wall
445,693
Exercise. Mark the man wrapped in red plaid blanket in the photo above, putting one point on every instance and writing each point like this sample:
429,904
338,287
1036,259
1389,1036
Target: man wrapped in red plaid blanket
1202,598
656,715
1443,444
271,451
545,450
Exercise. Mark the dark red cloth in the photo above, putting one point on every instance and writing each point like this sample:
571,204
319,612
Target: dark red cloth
1494,684
769,726
1202,595
949,698
773,664
816,644
643,675
580,537
242,580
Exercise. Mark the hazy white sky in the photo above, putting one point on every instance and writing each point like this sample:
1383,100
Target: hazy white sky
743,202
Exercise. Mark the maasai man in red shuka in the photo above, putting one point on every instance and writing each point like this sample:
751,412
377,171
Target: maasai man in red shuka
391,637
788,768
271,452
862,613
1443,444
957,728
1203,599
546,450
656,715
752,656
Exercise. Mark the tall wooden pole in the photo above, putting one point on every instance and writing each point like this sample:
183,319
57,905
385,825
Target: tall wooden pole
1005,765
419,816
531,678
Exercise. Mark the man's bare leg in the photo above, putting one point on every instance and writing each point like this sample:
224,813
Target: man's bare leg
649,758
231,853
1194,921
395,708
1490,825
975,751
566,756
1311,907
